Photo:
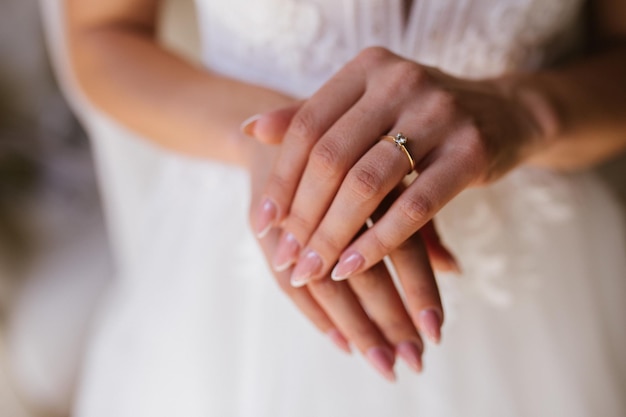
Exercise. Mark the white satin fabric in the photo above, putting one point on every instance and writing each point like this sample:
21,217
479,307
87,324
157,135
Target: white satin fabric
195,325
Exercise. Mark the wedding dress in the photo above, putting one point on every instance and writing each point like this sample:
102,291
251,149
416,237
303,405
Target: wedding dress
195,325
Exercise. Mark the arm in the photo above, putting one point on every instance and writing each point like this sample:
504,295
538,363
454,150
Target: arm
192,111
125,72
581,108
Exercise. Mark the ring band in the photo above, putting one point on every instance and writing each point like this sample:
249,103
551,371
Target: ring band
400,141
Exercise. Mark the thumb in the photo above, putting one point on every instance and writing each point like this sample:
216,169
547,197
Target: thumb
270,127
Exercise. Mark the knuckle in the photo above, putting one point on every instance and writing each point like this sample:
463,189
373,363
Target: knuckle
407,75
379,242
278,184
327,159
298,221
304,127
374,55
446,102
473,151
366,182
417,209
326,241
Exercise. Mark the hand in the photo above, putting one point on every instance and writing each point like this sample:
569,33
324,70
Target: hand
333,171
367,311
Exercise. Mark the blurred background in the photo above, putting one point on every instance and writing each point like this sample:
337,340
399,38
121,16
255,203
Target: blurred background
55,262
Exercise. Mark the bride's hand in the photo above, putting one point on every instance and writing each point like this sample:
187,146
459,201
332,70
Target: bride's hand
333,170
368,311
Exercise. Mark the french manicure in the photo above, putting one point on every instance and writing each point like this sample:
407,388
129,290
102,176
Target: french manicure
430,323
286,252
248,125
339,340
266,217
348,264
412,355
308,265
382,359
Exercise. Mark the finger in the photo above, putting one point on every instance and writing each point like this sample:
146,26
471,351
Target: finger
381,300
421,292
433,188
343,307
313,119
361,192
303,299
379,170
440,257
270,127
413,269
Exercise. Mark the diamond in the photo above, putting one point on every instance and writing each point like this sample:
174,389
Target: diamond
400,139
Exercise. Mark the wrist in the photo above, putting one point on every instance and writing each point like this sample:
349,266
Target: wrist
530,95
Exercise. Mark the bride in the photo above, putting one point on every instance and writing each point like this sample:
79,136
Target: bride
194,327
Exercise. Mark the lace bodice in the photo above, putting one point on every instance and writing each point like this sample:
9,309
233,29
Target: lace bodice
294,45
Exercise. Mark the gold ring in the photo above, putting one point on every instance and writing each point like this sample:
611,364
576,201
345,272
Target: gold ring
400,141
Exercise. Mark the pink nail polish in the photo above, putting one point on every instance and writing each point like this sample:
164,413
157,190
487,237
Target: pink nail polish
286,253
339,340
348,264
382,359
430,324
412,355
266,217
247,127
308,266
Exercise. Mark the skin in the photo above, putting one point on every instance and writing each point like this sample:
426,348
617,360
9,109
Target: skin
333,170
189,110
194,112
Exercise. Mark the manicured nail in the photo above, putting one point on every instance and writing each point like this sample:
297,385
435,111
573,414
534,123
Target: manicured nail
430,324
248,125
339,340
382,359
308,265
348,264
412,355
266,217
286,253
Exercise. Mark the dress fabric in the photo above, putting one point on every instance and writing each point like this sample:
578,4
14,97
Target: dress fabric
195,325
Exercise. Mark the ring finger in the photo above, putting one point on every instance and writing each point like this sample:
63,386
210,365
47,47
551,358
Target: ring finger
368,182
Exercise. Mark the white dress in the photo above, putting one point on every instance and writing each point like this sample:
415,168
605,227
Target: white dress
195,326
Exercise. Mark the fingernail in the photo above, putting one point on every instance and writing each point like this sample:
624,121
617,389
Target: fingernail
286,253
308,265
247,127
349,263
412,355
430,324
266,217
382,359
339,340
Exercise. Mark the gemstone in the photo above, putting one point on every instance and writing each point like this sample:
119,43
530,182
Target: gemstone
400,139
